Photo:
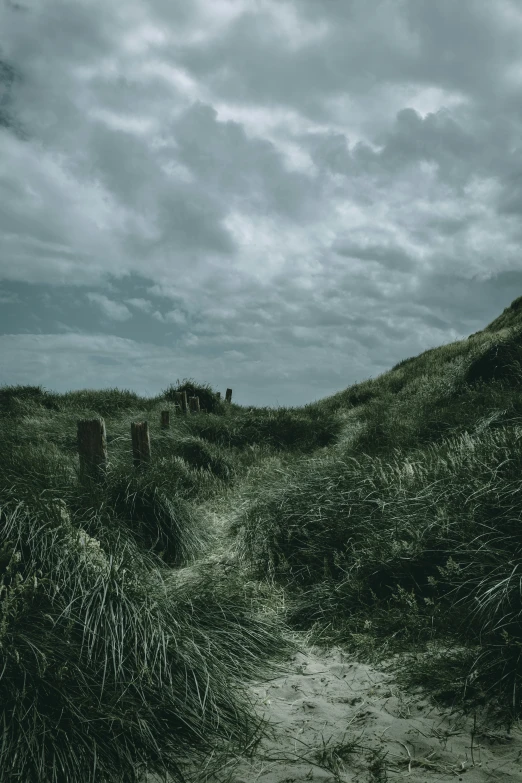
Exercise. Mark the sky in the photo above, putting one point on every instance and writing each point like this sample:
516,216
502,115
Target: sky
283,198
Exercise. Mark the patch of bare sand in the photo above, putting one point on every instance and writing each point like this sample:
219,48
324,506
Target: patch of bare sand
337,721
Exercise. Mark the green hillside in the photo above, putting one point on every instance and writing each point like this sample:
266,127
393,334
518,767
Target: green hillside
134,605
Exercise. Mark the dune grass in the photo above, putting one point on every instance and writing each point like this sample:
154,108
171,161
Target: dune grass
407,536
110,665
385,518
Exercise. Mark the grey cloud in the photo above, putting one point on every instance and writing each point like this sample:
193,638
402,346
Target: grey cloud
329,150
438,137
252,171
173,317
9,298
510,198
286,198
465,45
111,309
390,257
446,225
141,304
259,65
124,163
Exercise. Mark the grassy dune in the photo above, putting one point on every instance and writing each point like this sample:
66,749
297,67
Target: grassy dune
133,610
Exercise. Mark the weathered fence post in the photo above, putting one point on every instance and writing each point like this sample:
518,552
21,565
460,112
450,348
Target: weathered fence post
165,420
228,395
140,443
184,403
92,447
194,404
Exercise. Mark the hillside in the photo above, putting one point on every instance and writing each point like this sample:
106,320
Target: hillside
141,610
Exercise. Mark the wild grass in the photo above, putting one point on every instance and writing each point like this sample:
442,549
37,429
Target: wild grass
408,533
385,518
109,665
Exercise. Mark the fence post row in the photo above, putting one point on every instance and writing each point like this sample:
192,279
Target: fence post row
92,437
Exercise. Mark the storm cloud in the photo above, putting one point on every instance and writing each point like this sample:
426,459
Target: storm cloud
280,197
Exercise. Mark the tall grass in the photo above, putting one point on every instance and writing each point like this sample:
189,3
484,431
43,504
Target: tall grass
408,533
109,666
385,518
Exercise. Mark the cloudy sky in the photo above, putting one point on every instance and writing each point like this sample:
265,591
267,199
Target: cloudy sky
284,198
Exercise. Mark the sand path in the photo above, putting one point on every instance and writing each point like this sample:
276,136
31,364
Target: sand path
338,721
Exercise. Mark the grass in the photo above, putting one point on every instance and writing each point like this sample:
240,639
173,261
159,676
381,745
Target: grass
134,610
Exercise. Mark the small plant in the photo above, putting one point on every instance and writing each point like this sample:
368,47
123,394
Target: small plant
377,772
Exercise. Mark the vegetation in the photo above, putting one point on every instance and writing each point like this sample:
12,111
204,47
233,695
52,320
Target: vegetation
134,609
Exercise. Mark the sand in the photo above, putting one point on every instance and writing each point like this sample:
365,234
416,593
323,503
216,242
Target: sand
338,721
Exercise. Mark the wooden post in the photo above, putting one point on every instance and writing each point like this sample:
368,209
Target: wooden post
184,403
228,395
92,447
140,443
194,404
165,420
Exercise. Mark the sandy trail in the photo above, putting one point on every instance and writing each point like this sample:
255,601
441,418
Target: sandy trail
336,720
339,721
